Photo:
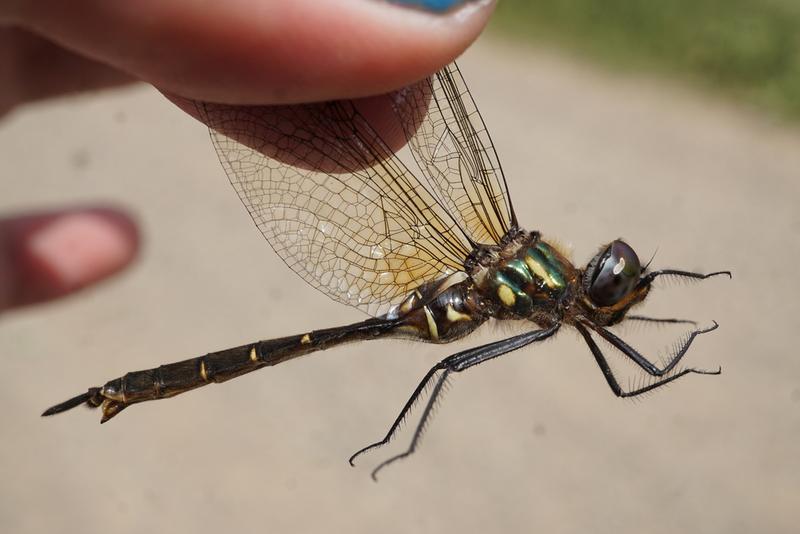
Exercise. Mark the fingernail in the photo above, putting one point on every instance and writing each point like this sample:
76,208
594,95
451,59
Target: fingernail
436,6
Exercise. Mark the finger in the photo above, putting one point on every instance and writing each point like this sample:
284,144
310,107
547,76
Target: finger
49,255
33,68
263,51
255,128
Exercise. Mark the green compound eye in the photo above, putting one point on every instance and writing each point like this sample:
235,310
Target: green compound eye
612,274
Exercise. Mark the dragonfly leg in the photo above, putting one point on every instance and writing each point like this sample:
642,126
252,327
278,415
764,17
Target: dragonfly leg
452,364
612,380
643,362
645,319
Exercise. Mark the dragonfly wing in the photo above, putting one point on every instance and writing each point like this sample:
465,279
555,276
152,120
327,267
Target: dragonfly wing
334,202
453,149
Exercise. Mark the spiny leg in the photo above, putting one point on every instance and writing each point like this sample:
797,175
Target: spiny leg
647,279
424,419
643,362
456,363
612,380
403,413
645,319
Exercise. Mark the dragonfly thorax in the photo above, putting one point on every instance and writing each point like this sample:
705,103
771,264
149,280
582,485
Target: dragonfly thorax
530,279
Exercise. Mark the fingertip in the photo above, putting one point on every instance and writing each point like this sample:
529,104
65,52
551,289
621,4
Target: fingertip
50,255
271,51
326,50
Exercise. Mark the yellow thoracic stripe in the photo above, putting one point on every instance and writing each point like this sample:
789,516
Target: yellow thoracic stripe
539,270
506,295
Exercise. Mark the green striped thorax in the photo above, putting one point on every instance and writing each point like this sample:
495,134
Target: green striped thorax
536,273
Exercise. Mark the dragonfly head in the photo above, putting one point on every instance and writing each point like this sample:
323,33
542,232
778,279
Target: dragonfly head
611,283
615,280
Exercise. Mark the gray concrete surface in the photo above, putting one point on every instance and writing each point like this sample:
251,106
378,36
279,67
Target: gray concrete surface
534,442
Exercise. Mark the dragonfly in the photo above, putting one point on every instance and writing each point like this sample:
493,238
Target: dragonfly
428,246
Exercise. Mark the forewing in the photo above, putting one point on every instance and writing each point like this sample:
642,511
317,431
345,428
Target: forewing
453,149
334,202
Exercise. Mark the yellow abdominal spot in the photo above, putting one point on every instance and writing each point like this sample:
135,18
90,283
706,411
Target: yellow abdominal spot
253,355
305,340
454,316
203,371
432,328
408,328
507,296
411,301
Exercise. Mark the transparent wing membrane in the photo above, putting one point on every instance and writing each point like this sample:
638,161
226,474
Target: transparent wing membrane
334,203
343,211
453,149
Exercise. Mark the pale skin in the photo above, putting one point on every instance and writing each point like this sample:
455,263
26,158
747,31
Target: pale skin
236,52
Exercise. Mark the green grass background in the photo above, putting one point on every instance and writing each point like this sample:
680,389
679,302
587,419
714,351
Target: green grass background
749,49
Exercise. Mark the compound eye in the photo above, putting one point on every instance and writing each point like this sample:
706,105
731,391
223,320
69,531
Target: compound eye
614,274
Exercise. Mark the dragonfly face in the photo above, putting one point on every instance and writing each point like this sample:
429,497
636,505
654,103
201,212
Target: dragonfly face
610,284
612,274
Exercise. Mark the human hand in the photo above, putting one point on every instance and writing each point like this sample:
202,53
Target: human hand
235,52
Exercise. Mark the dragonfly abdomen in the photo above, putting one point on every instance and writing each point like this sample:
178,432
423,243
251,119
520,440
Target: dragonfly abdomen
450,315
175,378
